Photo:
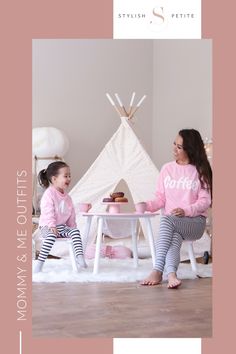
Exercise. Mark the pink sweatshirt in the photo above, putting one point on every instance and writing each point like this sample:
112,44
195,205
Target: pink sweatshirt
178,186
56,208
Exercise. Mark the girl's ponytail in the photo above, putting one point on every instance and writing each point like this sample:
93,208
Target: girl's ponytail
43,179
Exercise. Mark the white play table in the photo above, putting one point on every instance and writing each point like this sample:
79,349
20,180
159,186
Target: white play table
133,217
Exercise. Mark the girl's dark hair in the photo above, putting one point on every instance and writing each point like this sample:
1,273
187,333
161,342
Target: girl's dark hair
45,176
194,147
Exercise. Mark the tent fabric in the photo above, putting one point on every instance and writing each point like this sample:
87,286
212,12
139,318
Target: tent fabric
122,158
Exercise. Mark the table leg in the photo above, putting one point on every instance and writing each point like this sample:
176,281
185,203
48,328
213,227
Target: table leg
134,242
98,246
150,239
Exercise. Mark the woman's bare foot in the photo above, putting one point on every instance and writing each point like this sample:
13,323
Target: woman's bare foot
173,281
154,278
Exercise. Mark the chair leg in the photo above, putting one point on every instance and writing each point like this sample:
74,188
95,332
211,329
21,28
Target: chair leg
72,256
192,257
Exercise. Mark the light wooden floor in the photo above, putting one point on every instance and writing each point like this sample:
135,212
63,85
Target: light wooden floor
122,310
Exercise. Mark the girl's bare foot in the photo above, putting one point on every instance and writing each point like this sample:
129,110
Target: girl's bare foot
173,281
154,278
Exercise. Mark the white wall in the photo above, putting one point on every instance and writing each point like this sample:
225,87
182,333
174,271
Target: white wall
182,92
71,77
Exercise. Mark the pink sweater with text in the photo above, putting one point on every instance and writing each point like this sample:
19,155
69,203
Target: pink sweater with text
178,186
56,208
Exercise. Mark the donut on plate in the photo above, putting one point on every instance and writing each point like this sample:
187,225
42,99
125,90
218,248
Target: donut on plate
121,200
108,200
117,195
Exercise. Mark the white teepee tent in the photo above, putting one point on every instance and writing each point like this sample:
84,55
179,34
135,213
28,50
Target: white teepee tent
123,158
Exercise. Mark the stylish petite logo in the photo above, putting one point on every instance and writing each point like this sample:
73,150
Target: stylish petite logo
157,19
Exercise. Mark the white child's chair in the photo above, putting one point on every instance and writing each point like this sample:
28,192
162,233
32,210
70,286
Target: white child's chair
65,242
68,241
192,257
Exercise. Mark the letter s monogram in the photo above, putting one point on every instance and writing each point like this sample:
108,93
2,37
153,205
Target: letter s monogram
159,15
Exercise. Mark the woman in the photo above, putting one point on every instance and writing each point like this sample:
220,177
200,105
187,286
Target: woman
184,191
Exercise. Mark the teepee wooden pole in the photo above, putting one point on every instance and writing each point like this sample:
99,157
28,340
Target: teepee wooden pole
141,101
118,111
137,107
122,108
131,104
113,104
132,112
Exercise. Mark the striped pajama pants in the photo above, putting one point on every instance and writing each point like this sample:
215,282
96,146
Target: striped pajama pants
173,231
64,232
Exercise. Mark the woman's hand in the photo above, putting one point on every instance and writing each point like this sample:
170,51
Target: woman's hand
54,230
178,212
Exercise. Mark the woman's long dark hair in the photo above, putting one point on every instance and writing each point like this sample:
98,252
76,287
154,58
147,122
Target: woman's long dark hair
45,176
194,147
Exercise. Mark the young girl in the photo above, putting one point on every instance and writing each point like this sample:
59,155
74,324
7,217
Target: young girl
57,217
184,190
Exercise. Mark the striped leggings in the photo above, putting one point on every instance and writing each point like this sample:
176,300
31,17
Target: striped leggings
64,232
173,231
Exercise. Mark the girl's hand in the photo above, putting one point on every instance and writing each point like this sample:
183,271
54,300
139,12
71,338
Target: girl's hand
54,230
178,212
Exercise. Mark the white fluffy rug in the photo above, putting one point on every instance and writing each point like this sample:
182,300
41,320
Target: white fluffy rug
111,270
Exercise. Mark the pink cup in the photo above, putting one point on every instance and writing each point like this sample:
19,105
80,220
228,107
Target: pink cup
140,207
84,207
